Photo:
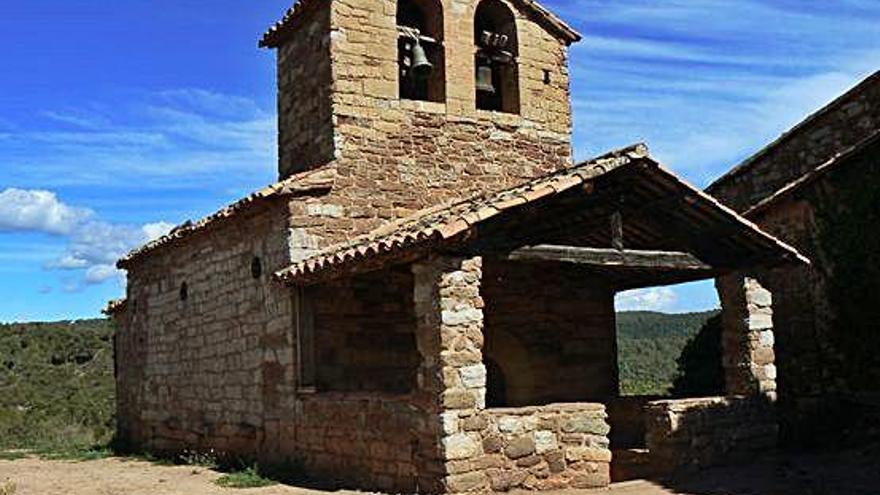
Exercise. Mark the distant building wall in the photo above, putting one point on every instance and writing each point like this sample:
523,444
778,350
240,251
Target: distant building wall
814,362
843,123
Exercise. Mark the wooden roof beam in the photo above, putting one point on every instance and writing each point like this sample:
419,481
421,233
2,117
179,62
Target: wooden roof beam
611,258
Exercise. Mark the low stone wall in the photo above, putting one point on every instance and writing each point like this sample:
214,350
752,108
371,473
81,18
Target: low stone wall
369,441
697,433
626,415
534,448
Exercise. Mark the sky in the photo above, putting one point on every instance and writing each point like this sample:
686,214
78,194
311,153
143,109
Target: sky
121,119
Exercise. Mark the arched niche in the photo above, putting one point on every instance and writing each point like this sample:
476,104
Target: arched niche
497,49
420,23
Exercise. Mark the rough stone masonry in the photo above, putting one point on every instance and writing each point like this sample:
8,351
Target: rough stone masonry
379,380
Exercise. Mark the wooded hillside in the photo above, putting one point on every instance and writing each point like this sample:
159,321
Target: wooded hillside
650,345
56,384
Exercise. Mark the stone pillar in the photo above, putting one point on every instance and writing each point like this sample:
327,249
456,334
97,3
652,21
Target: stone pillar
452,377
747,336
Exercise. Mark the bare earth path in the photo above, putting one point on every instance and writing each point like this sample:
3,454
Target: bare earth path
126,477
854,473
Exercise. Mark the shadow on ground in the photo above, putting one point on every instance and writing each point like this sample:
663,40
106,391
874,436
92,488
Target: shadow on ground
854,472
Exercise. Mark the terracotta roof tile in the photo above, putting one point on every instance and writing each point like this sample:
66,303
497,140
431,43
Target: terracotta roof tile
452,219
315,180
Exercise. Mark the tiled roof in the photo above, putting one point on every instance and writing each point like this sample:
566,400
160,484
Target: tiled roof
277,33
306,182
449,221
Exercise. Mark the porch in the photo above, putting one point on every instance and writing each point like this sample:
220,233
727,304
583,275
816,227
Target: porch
473,347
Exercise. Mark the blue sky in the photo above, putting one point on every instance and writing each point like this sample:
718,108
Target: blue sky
118,119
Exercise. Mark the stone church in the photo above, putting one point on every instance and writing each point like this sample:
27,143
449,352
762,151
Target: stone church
424,302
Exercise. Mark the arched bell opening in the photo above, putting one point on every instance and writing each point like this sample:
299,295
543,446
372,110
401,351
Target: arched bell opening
421,54
497,49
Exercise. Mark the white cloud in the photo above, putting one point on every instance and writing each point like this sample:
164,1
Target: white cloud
93,245
67,262
39,211
661,299
99,274
77,119
154,231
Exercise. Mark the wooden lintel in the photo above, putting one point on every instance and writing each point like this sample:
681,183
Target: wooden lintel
609,258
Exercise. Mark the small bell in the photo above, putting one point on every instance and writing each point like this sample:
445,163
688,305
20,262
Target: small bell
421,66
484,79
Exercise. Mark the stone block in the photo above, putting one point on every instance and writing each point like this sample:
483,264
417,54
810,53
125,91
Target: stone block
474,423
520,447
459,399
517,424
449,422
545,441
586,424
461,446
493,444
502,481
469,482
473,376
556,461
462,316
588,454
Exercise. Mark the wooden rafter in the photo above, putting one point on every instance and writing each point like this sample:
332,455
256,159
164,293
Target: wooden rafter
610,258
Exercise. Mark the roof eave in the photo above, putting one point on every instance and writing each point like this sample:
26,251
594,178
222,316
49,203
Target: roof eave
747,164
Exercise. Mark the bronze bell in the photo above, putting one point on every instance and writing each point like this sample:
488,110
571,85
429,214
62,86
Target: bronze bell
484,79
421,66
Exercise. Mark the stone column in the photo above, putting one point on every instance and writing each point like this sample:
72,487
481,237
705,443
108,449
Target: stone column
747,336
452,377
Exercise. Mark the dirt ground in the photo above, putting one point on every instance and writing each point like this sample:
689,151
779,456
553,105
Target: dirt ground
856,473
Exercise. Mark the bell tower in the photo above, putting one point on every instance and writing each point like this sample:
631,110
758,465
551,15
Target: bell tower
428,99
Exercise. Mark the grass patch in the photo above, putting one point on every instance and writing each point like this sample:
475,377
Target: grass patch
13,455
247,478
76,454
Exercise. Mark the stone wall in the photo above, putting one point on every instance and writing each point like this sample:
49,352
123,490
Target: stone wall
205,352
550,329
811,363
366,441
539,448
392,157
365,333
305,84
824,363
550,447
844,123
692,434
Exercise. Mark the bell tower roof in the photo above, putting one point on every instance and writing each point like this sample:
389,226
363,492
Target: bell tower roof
276,34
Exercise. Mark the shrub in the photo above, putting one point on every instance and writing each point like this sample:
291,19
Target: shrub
247,478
